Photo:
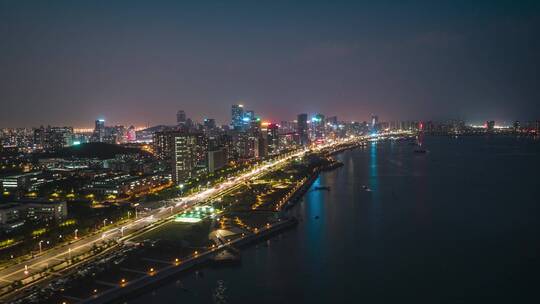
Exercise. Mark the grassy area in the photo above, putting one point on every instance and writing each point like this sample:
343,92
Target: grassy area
188,234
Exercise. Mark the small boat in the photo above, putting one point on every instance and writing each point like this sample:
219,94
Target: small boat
366,188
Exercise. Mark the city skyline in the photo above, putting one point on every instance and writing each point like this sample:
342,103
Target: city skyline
269,151
69,63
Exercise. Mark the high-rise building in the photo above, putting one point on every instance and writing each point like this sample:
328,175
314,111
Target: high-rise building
318,127
184,157
237,115
180,117
99,131
374,122
302,129
248,117
272,138
163,144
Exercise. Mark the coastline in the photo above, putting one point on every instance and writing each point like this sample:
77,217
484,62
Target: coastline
139,286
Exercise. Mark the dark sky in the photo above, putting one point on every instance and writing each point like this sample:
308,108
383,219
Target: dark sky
137,62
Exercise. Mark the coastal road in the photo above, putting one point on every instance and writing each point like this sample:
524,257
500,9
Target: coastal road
57,255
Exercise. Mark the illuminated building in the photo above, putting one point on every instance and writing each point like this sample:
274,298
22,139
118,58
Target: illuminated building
163,144
13,214
272,138
131,134
99,131
302,129
184,157
318,127
52,138
237,115
247,146
374,123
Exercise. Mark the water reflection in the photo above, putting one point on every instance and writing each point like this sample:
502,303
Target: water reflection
374,186
314,219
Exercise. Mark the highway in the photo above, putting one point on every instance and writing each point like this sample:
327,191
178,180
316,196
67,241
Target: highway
58,255
149,220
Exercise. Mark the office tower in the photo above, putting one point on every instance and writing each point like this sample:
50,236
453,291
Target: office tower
318,127
180,117
374,120
99,131
184,157
237,115
374,123
272,138
302,129
248,117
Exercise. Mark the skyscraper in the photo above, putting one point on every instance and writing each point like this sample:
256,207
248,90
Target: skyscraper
374,122
180,117
184,157
272,138
302,128
237,115
318,127
99,131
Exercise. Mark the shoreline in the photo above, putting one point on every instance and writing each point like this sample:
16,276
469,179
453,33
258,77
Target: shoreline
202,260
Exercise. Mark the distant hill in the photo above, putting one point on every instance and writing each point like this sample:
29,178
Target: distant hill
95,150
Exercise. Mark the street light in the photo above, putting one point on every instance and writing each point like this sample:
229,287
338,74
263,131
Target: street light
104,223
76,230
40,245
122,230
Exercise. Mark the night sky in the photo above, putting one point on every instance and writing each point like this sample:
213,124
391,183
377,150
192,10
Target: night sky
138,62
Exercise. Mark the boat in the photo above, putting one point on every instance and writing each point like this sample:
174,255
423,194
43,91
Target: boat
366,188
